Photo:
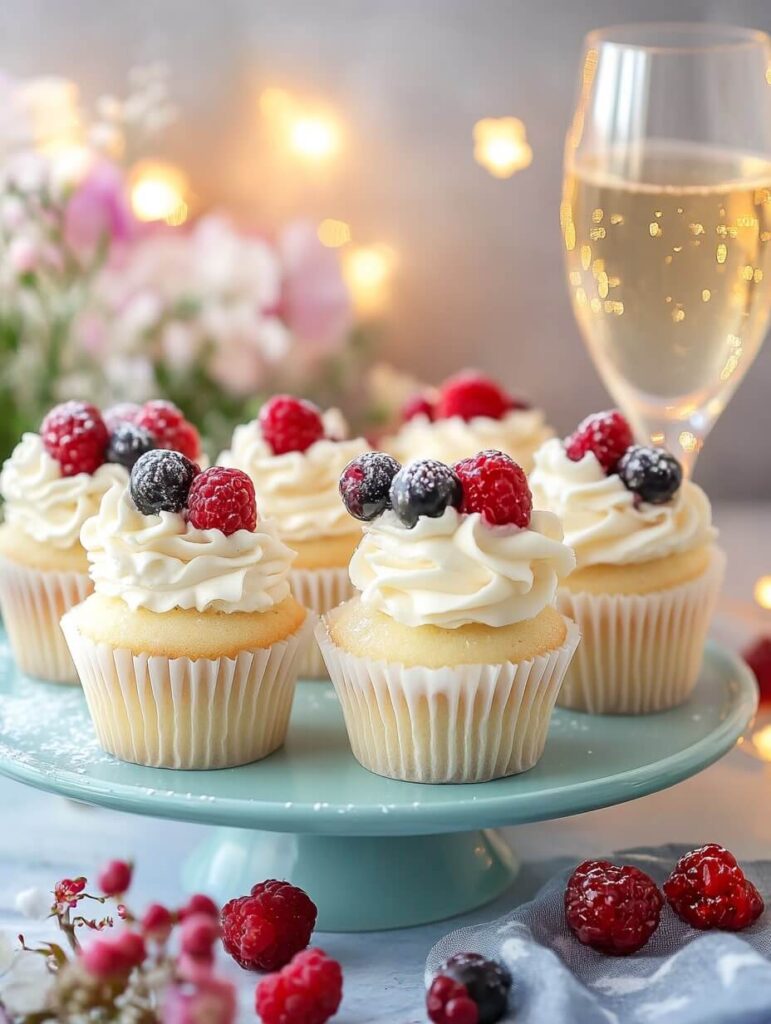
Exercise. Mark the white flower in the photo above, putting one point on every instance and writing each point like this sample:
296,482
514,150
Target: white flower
25,983
34,903
7,952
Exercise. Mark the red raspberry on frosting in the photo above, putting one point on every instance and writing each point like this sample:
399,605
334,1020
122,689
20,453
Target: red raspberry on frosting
469,395
290,424
496,486
169,427
222,499
606,434
75,435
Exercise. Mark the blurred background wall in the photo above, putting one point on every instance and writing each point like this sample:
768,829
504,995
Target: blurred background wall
477,263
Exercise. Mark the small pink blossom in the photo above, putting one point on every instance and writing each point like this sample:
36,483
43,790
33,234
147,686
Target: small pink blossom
97,213
115,877
211,1000
67,893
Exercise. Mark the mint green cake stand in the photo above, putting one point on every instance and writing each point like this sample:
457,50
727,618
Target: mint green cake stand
372,853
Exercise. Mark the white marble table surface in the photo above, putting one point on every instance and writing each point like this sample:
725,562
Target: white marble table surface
43,837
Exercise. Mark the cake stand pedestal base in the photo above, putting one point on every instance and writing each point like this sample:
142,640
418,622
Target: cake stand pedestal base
360,883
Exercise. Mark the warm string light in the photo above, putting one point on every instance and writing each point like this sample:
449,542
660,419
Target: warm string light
368,270
309,130
158,191
500,146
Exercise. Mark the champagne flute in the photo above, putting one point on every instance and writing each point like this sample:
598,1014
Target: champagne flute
666,219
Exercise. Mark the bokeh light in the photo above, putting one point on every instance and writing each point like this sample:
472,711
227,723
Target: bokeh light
334,233
762,591
761,741
368,271
500,146
158,192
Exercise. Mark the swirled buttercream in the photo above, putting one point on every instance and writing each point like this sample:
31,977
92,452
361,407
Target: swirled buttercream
603,523
455,570
298,490
45,505
519,433
160,562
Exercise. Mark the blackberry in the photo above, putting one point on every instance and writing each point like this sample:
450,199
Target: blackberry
127,442
487,983
424,488
160,481
365,484
651,473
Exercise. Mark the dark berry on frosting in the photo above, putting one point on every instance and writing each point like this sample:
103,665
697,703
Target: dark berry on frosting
75,435
496,486
424,488
606,434
365,484
127,442
469,395
161,480
487,983
651,473
290,424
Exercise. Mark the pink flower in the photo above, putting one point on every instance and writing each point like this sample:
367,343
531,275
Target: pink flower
67,893
199,932
315,302
211,1000
114,954
157,922
97,212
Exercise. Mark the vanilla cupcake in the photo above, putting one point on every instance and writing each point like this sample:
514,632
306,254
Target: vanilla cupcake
448,662
467,414
294,455
648,572
189,648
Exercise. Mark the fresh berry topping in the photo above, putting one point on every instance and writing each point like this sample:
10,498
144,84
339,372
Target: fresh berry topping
169,427
290,424
160,481
309,990
123,412
127,442
199,904
469,395
264,930
75,435
708,889
424,488
651,473
496,486
447,1002
418,405
115,877
223,499
365,484
758,657
612,908
486,983
606,434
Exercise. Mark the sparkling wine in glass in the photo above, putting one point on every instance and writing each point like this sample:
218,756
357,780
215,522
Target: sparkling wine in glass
666,219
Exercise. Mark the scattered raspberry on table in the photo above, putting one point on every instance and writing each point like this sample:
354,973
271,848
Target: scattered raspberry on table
612,908
263,931
309,990
708,889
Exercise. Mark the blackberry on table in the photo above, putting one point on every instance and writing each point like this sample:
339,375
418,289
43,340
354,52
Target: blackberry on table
160,481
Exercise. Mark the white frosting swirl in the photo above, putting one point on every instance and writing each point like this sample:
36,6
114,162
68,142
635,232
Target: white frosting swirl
603,523
45,505
160,562
455,569
298,490
519,433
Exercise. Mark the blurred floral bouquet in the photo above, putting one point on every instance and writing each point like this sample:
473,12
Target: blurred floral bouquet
93,302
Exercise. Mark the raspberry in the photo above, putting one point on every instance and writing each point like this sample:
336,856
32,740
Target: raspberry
160,481
290,424
365,484
418,405
123,412
612,908
222,499
469,395
424,488
607,434
484,983
708,889
157,922
496,486
651,473
199,904
309,990
264,930
169,427
758,657
75,435
115,877
127,442
199,932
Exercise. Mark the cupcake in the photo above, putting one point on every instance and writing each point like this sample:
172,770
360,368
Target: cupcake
52,482
294,455
189,648
448,661
647,571
467,414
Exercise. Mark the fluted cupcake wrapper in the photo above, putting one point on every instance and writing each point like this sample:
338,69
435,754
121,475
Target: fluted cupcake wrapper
468,723
639,653
32,602
321,590
189,713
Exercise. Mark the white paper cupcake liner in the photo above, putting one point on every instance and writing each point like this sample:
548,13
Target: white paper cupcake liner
189,713
469,723
32,602
639,653
321,590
